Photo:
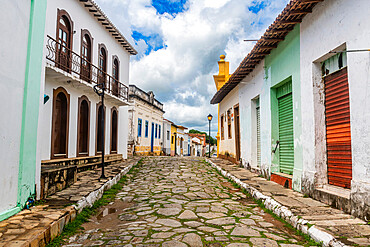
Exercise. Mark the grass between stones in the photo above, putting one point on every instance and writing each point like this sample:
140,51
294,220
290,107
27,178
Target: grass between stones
109,195
310,241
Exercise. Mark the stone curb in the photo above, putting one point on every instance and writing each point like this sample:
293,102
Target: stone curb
300,224
92,197
43,237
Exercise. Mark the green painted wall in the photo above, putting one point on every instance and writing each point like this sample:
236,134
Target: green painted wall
282,66
30,112
31,99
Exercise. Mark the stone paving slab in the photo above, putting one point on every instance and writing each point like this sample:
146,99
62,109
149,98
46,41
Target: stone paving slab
331,226
40,224
183,201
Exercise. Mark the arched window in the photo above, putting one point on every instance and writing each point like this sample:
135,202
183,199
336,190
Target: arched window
64,39
83,126
100,129
86,51
60,124
114,131
115,72
102,63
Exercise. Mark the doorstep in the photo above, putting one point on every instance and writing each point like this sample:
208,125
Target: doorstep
334,196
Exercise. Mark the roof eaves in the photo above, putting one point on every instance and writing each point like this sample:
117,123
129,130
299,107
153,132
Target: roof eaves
100,16
292,14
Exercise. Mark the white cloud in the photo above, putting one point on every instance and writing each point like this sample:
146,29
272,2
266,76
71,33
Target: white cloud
181,74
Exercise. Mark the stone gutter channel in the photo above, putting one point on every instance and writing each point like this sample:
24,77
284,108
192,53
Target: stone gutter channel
283,212
45,223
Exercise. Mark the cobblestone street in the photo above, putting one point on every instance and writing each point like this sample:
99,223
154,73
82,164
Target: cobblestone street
183,202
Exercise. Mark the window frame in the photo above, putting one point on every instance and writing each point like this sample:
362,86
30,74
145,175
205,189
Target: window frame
85,32
146,128
139,127
229,124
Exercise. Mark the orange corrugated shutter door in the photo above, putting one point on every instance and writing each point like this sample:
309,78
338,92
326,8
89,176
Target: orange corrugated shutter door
338,129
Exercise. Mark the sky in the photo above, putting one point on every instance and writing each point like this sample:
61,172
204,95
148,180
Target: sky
179,43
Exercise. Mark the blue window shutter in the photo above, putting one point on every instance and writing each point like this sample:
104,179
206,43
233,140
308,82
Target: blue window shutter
159,132
146,128
156,130
139,127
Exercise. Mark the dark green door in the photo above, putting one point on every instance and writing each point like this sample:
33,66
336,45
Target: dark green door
286,138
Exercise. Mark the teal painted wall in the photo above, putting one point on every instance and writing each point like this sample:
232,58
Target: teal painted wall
282,66
30,111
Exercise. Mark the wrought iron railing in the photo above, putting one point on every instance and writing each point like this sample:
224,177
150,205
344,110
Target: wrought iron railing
69,61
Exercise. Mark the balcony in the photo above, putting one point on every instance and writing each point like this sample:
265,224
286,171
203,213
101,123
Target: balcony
74,66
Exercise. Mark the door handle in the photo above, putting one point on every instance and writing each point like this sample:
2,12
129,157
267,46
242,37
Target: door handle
277,144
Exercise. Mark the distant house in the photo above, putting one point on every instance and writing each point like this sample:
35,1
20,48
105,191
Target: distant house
202,138
196,147
166,145
145,123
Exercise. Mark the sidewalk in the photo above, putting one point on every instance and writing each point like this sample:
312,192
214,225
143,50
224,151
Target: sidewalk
330,226
39,225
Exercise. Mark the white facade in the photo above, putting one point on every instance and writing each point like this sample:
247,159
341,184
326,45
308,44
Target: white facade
145,122
55,79
180,141
250,89
226,106
186,145
336,25
16,15
196,147
166,137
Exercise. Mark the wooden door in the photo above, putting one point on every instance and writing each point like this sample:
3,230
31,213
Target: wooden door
237,133
86,58
100,133
60,118
64,44
114,131
83,127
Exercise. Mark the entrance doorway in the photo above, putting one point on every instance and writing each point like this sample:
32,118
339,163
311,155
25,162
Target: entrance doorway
338,129
100,129
114,131
83,127
237,132
60,128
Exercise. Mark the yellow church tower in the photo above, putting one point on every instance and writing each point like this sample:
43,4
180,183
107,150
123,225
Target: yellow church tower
220,80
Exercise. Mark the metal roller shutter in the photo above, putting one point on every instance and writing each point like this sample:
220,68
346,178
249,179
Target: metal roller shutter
258,136
338,129
286,137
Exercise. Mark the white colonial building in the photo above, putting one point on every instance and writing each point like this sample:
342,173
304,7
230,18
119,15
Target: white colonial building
166,146
145,123
83,51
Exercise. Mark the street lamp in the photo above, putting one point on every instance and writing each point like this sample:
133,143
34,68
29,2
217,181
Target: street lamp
209,141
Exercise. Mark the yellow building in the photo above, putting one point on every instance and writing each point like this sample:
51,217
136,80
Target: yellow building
220,80
173,138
